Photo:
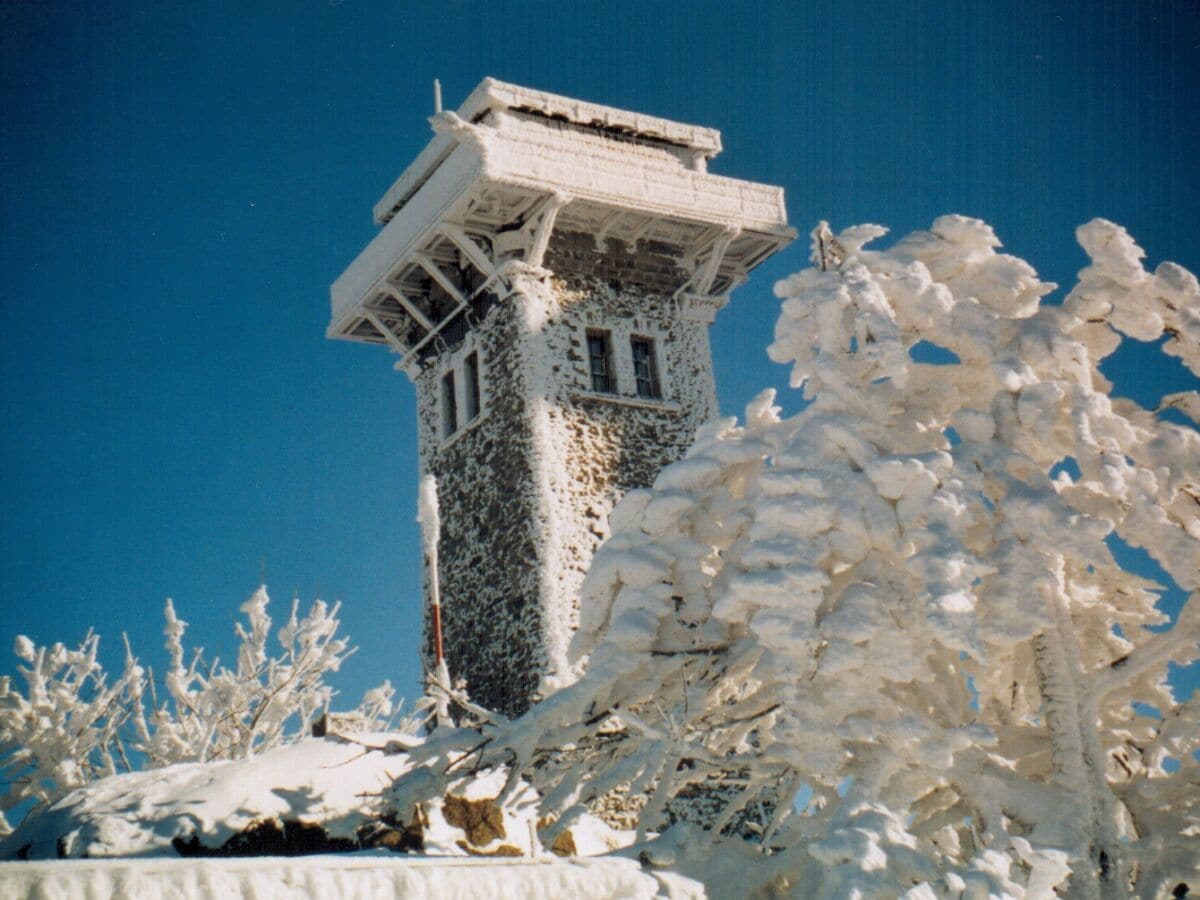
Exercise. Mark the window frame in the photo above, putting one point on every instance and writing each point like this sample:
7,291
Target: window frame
448,393
652,379
605,383
472,392
462,393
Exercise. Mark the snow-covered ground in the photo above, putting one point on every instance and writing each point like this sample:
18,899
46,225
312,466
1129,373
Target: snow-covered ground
346,876
322,782
316,795
341,791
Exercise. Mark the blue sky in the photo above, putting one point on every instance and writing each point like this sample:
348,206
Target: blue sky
181,183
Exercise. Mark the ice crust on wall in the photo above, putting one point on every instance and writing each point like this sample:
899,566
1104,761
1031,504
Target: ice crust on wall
548,459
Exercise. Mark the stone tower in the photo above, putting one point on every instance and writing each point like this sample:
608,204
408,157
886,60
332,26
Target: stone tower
547,271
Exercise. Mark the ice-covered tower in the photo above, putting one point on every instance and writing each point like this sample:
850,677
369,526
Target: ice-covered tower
547,272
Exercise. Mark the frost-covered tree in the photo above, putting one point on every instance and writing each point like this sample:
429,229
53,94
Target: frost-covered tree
214,712
71,726
64,729
887,634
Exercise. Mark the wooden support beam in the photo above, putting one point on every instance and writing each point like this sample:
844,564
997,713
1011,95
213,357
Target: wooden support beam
415,349
528,212
390,336
541,235
409,307
600,234
636,234
707,273
703,243
470,249
440,277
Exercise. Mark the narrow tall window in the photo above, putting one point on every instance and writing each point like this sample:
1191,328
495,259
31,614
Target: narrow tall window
449,405
645,367
600,362
471,374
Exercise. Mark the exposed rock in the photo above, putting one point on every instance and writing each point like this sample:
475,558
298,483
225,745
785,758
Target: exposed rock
267,837
482,820
502,850
564,844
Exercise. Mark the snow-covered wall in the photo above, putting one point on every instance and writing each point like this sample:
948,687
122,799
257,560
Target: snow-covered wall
360,876
526,489
489,543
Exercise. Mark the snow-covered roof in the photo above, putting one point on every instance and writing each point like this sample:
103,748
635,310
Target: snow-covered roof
491,94
511,158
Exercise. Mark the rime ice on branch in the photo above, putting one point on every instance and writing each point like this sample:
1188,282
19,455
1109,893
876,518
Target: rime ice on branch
70,726
898,607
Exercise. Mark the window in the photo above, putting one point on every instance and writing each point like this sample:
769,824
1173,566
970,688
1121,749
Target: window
645,367
600,362
449,405
471,374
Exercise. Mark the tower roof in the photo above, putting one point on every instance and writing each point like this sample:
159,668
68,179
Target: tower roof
513,163
490,95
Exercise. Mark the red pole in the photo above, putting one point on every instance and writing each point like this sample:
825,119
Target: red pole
437,631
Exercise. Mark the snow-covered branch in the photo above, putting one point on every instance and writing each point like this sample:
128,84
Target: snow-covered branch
70,725
898,605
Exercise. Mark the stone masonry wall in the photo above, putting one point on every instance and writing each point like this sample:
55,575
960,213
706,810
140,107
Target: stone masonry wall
609,444
525,491
488,543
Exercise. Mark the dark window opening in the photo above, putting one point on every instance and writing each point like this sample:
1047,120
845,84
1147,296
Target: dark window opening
471,373
449,405
600,362
470,279
440,303
456,329
645,368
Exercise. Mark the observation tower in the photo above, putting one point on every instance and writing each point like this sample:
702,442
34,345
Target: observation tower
547,270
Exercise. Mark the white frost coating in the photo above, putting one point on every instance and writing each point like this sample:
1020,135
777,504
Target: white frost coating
318,781
431,530
427,514
1187,402
1139,304
493,95
590,168
920,634
547,453
343,785
64,729
564,217
378,258
360,876
513,139
70,725
221,713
